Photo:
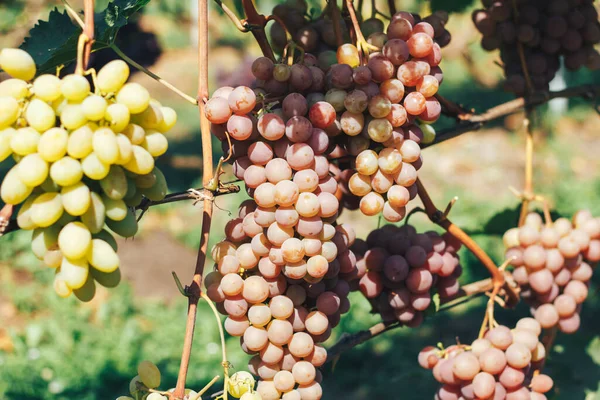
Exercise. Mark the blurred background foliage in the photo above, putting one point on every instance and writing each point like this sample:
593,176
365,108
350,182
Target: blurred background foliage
60,349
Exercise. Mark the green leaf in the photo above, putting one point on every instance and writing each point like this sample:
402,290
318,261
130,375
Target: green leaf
54,42
509,218
450,6
115,16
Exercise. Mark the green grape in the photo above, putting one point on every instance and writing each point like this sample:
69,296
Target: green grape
87,292
94,217
49,185
149,374
107,237
72,117
134,96
169,119
125,398
133,386
6,136
74,272
65,219
141,162
75,88
24,216
47,87
74,240
94,107
13,190
115,209
59,105
67,171
135,199
135,133
47,209
60,286
156,396
240,383
156,143
118,115
102,256
15,88
93,168
115,183
151,118
125,149
145,181
9,111
53,144
33,170
43,240
105,146
25,141
40,116
127,227
111,280
112,76
53,258
17,63
158,190
80,143
428,133
76,198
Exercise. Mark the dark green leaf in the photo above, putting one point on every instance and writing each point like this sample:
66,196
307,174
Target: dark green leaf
506,219
451,6
54,42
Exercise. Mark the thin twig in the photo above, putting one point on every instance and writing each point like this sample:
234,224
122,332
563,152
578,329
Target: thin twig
437,216
258,22
195,289
474,122
239,24
152,75
349,341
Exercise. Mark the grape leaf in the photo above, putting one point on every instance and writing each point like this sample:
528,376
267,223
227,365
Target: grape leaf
509,218
450,6
54,42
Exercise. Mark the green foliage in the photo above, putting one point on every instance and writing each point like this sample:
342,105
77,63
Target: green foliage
54,42
451,6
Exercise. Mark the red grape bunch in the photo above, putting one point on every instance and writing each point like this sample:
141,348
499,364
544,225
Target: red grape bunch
282,292
399,270
547,31
553,265
501,365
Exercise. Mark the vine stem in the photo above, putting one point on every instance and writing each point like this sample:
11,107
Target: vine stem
348,342
258,21
528,188
152,75
194,291
86,38
438,217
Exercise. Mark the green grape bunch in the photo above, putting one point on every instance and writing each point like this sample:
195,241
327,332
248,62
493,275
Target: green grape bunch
85,156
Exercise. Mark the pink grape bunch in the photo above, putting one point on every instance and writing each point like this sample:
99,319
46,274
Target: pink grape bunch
547,31
553,265
283,293
500,365
399,270
318,35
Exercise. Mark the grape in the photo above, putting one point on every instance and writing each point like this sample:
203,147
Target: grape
284,381
117,114
322,114
255,338
518,355
547,316
500,337
415,103
301,344
262,68
232,284
39,115
541,383
303,372
149,374
76,198
112,76
18,63
74,272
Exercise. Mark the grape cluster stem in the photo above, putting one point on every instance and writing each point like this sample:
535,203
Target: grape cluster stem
349,341
438,217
